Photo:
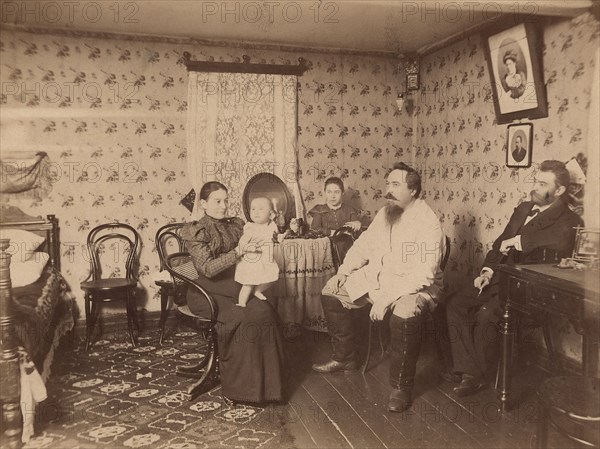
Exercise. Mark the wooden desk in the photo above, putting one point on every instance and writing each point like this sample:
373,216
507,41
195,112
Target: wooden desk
540,291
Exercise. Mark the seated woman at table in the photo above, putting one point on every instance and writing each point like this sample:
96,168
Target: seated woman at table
250,342
334,213
256,270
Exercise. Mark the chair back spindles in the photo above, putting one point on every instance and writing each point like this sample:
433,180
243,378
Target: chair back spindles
179,265
96,241
163,236
99,287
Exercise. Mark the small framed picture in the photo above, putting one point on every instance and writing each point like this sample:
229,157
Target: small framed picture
519,143
412,81
587,245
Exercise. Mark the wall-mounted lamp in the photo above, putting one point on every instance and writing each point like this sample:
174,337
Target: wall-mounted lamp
411,64
400,102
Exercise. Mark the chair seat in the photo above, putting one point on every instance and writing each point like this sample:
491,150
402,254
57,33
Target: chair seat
108,284
579,397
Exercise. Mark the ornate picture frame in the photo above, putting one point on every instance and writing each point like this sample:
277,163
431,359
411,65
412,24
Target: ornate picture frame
514,57
519,145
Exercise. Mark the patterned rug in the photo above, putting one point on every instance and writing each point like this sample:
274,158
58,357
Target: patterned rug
120,396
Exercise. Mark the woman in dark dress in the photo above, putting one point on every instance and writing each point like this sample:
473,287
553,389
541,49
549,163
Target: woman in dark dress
334,213
250,342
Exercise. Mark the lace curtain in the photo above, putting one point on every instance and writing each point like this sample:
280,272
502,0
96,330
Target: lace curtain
239,125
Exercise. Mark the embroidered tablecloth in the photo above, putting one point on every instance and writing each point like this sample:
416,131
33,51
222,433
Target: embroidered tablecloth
305,265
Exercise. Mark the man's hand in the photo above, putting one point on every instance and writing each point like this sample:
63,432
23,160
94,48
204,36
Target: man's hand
506,245
482,281
378,311
354,225
335,283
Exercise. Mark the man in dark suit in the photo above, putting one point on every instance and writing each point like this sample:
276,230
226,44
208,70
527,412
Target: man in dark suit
539,230
519,152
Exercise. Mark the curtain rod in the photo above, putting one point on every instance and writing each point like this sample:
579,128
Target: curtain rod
244,67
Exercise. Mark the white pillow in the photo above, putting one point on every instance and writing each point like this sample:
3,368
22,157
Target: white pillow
22,243
25,273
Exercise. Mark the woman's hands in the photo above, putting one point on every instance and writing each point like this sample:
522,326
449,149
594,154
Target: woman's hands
354,225
240,250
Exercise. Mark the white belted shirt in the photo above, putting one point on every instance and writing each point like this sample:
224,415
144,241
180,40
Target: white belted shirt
389,263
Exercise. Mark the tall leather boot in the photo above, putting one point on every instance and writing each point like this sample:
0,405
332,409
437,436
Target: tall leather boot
405,346
339,325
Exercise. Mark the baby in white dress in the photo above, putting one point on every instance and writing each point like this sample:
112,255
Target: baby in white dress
257,270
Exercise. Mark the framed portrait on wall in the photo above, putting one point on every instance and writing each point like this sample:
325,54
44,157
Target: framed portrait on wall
412,81
519,144
514,57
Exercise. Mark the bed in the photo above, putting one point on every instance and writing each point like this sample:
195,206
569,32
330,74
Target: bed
33,316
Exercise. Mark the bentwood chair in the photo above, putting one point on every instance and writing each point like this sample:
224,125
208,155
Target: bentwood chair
168,240
436,316
341,241
184,277
569,405
113,252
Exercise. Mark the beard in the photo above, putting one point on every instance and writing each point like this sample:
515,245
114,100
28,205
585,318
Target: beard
542,200
393,212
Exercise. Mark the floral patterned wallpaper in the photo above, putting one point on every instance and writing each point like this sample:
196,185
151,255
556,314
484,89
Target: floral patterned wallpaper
461,149
111,115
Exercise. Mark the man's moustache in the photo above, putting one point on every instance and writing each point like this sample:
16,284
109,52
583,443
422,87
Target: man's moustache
389,196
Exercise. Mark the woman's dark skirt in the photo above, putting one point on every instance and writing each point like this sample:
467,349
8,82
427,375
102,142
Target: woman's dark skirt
250,342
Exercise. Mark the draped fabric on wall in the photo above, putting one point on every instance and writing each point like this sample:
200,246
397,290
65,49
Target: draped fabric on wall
26,175
238,125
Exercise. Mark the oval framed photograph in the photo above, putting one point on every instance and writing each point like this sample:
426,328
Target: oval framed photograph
514,57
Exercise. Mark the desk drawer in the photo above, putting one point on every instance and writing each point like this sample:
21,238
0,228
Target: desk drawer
517,290
563,303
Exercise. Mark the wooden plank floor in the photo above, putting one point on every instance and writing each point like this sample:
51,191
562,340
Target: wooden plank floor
348,410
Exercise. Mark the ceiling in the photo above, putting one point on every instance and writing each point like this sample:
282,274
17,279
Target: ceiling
361,25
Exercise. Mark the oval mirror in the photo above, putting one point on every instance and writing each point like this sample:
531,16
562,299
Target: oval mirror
270,186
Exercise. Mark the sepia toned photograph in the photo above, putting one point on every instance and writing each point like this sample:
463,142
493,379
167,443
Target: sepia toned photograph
519,145
299,224
516,71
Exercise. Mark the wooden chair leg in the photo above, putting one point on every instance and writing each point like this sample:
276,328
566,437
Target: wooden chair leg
164,312
134,310
210,376
541,437
130,319
87,321
194,371
91,315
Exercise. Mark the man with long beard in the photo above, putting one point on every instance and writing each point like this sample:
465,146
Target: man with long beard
393,265
539,230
